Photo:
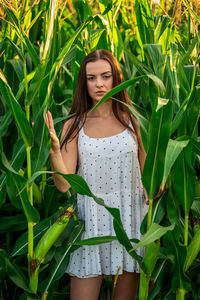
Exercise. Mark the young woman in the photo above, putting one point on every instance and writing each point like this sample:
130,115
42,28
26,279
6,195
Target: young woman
105,145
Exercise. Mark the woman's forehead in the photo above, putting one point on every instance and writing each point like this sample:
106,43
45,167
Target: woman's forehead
98,66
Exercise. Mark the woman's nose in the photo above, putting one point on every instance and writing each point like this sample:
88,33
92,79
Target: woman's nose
99,82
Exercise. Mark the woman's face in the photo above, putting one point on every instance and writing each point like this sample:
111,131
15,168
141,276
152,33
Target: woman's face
99,79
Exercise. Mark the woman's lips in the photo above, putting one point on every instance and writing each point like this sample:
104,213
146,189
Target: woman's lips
100,93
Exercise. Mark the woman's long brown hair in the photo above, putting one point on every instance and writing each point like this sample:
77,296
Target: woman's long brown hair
83,103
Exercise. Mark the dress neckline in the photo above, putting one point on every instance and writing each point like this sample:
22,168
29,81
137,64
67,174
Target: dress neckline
103,138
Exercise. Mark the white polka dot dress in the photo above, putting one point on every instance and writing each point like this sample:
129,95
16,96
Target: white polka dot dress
111,169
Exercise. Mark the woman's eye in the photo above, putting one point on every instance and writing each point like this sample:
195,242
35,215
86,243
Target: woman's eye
106,76
90,78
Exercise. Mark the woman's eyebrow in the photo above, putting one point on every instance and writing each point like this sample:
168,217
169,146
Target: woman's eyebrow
106,72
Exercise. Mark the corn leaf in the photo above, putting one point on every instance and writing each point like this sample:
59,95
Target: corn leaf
184,179
174,148
13,223
14,184
18,66
18,279
150,258
193,249
154,53
117,89
193,113
24,38
17,112
159,131
36,82
145,23
21,245
153,234
42,143
62,55
173,248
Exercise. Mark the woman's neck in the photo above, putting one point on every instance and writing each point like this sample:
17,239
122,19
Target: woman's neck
104,110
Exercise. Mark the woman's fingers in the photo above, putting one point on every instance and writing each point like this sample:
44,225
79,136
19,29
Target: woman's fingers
55,143
49,122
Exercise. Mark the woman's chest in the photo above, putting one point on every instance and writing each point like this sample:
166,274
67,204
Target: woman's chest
111,146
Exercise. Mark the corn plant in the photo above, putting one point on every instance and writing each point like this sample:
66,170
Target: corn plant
41,47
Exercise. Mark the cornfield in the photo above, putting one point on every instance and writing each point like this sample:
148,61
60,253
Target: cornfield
42,44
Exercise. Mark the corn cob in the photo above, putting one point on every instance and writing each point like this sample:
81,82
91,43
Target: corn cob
50,236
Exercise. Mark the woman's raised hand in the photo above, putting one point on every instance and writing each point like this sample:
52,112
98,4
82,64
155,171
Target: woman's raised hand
55,144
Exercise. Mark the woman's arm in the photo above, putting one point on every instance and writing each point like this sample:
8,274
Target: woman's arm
61,160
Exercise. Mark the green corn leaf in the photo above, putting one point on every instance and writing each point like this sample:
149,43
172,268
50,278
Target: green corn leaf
117,89
70,55
21,245
163,23
62,55
145,23
17,49
18,155
182,111
174,249
27,43
18,279
34,20
150,258
36,82
193,113
96,240
171,79
2,264
159,131
94,38
12,223
184,84
15,183
195,208
40,150
17,159
154,52
4,163
141,67
22,84
154,233
180,294
100,240
78,184
14,273
174,148
20,118
184,179
5,122
50,20
188,54
18,66
144,123
83,9
193,248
